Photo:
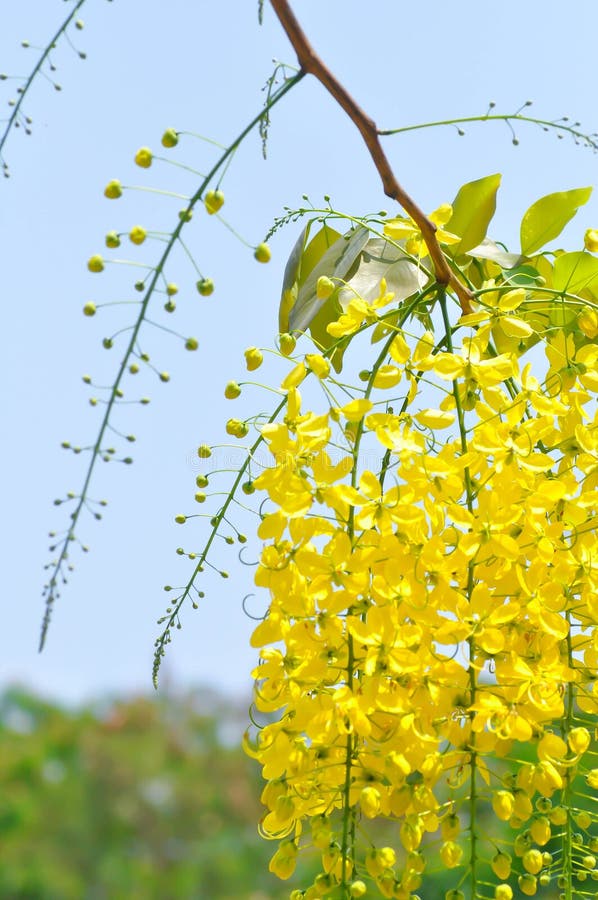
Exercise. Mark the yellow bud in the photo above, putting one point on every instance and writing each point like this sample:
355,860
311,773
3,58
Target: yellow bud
113,189
137,234
213,201
89,309
232,390
144,157
170,138
528,884
191,343
112,240
205,287
95,263
203,451
501,865
263,253
369,800
503,892
357,889
253,358
590,240
540,830
503,804
284,860
532,861
450,854
579,739
287,343
237,428
324,287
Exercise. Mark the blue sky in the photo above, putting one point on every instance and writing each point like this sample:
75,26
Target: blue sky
200,67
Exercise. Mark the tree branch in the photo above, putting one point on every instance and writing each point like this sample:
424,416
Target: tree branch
311,63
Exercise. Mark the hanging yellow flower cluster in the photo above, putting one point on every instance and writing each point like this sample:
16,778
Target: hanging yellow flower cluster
431,559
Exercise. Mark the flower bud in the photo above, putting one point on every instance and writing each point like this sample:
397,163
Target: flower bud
95,263
144,157
590,240
89,309
191,343
170,138
137,234
324,287
112,240
287,343
262,253
205,287
232,390
113,189
213,201
253,358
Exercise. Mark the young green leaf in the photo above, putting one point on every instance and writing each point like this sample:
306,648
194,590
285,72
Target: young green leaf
473,208
576,273
546,218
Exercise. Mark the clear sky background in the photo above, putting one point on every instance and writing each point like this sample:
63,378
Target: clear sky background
200,66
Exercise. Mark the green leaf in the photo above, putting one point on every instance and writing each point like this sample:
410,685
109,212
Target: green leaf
473,208
335,263
315,250
546,218
381,259
576,273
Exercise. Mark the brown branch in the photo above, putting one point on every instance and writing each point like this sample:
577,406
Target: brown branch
311,63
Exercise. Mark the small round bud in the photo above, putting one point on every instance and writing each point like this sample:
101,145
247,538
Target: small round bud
139,286
107,343
358,889
112,240
133,368
170,306
201,481
95,263
263,253
253,358
364,375
89,309
324,287
171,289
185,215
191,343
200,497
205,287
248,488
170,138
144,157
164,376
287,343
137,234
86,379
113,189
180,519
232,390
237,428
203,451
213,201
79,24
590,240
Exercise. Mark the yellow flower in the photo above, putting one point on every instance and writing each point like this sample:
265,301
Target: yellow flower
402,229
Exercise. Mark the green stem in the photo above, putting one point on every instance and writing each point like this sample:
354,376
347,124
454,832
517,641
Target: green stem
57,567
473,793
35,71
589,140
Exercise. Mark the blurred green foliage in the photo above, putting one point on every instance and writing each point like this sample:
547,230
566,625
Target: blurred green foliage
143,798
